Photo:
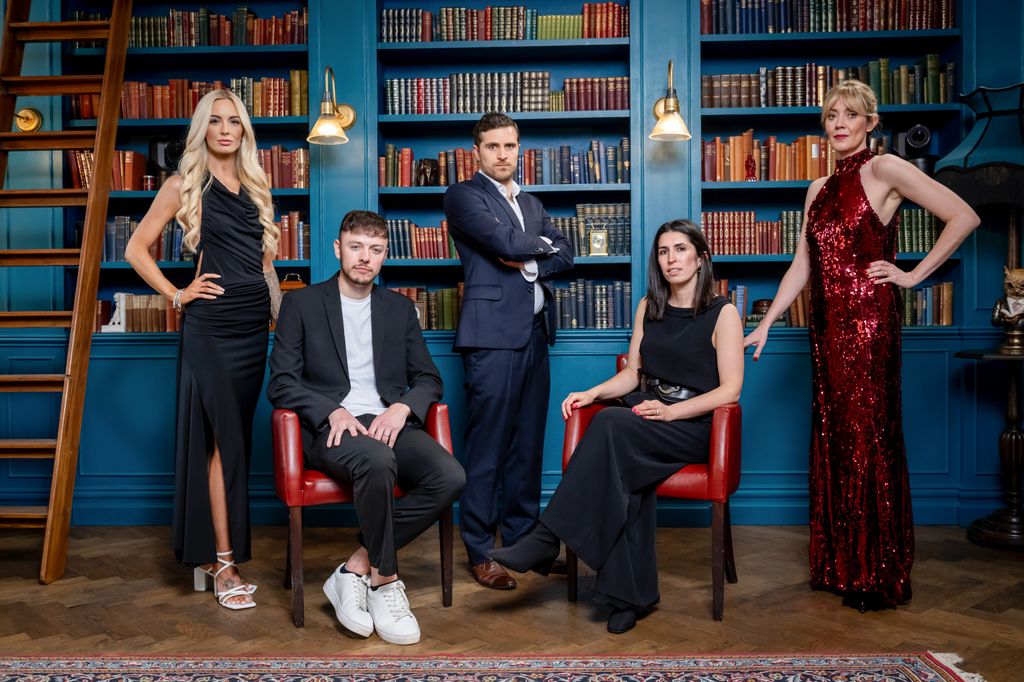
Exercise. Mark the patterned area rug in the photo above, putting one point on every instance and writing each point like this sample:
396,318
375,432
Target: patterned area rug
924,667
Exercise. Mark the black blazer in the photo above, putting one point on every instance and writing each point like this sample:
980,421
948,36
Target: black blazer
497,303
309,366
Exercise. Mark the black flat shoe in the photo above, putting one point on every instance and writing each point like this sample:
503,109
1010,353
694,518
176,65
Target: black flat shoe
621,620
866,601
537,551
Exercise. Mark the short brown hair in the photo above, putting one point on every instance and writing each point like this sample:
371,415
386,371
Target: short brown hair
857,97
366,222
490,121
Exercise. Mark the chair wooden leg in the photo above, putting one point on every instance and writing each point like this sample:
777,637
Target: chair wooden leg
730,561
572,568
717,559
295,554
288,561
446,533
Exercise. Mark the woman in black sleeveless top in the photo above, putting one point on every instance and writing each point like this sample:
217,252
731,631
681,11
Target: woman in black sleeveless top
685,338
221,197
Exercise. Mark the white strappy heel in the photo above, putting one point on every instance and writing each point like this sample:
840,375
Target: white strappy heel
204,577
201,582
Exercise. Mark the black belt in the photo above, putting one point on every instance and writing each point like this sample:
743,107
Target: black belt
670,392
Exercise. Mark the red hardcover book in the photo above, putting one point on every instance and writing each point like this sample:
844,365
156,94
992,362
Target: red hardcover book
381,171
70,156
405,167
427,27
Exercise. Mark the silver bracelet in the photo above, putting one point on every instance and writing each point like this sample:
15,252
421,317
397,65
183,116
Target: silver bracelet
177,299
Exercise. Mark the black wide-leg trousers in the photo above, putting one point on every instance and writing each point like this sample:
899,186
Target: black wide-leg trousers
605,508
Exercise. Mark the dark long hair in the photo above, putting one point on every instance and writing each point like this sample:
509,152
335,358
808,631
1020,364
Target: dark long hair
657,286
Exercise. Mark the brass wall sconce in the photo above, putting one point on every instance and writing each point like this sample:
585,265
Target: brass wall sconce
670,126
28,120
334,118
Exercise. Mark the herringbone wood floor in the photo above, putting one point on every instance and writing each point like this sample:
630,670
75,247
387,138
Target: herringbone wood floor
124,594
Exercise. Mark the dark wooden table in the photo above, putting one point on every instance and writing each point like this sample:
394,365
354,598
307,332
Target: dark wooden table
1005,527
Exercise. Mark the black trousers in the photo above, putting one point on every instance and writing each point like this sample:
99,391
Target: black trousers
507,405
605,508
429,475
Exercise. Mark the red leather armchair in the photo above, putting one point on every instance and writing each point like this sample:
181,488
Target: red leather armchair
299,487
714,482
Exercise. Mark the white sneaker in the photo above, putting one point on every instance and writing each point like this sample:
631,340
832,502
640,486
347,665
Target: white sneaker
392,617
347,592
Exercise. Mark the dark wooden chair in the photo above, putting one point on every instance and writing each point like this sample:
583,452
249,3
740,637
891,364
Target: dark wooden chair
299,487
714,482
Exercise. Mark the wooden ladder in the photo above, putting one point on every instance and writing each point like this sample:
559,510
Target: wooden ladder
63,450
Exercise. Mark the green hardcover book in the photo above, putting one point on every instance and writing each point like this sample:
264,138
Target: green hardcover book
884,81
875,78
932,79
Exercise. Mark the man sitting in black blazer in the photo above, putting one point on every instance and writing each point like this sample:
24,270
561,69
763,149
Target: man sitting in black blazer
350,359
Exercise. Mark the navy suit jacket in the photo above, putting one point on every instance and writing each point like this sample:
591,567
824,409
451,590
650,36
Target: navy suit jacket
309,363
497,302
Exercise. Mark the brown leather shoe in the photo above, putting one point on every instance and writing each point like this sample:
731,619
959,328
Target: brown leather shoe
491,574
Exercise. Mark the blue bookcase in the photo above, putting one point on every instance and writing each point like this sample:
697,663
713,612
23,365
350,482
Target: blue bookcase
953,410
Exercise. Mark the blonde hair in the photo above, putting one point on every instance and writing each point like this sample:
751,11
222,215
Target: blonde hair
196,177
857,96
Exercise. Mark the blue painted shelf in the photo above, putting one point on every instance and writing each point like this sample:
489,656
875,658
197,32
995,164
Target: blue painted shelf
838,42
788,257
421,262
763,184
745,112
566,117
149,194
533,49
197,50
183,122
532,189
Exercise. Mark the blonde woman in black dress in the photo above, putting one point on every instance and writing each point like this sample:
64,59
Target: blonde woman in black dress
221,197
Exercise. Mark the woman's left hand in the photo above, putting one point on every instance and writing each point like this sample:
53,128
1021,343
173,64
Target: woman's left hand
884,272
653,410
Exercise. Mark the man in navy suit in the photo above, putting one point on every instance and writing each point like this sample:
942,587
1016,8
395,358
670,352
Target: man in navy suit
507,246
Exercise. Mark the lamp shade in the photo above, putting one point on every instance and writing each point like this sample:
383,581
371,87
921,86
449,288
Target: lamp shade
328,129
670,128
987,167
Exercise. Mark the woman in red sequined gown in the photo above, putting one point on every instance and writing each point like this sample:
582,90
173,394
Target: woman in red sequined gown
861,535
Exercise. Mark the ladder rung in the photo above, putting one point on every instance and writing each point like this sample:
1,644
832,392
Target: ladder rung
16,319
23,517
50,139
21,198
31,383
51,85
52,31
39,257
27,448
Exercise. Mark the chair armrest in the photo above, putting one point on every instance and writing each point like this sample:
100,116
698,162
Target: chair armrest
286,433
439,427
724,453
575,426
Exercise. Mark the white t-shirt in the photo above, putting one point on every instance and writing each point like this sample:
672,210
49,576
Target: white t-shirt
363,398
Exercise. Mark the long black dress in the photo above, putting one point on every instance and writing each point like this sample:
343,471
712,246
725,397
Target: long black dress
605,507
221,362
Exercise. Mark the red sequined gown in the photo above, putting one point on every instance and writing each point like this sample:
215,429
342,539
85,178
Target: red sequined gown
862,535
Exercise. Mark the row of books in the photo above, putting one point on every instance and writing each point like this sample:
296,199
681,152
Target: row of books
598,20
407,240
193,28
137,313
925,82
463,93
741,233
610,221
179,97
286,169
119,229
598,164
293,242
742,157
437,309
928,306
126,174
585,304
802,16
